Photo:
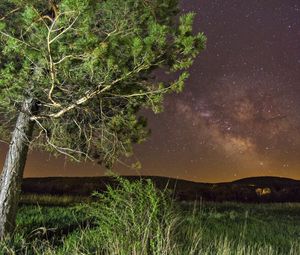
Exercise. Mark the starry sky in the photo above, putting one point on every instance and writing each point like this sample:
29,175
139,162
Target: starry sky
239,114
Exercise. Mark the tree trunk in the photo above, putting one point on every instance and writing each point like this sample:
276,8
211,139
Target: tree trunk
12,174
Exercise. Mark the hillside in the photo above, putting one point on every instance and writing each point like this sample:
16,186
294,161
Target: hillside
255,189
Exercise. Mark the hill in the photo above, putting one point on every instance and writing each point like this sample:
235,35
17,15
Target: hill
254,189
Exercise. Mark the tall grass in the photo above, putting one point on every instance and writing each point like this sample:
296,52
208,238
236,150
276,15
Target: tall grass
133,218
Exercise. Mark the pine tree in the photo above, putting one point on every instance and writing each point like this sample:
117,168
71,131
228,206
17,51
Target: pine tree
75,73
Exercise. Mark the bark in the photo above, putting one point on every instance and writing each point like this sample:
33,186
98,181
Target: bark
12,174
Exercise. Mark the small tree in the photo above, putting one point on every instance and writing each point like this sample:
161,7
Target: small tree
75,73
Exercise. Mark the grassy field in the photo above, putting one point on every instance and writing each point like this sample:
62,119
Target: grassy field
137,219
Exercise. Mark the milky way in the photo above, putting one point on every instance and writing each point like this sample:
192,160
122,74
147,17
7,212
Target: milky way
239,114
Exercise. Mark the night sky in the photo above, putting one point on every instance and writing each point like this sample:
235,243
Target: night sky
239,114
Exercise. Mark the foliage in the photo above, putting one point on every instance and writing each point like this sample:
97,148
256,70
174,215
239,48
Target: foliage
90,67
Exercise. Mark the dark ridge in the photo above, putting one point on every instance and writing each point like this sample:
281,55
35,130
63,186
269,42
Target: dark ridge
266,180
253,189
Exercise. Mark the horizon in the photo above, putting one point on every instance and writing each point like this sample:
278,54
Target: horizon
165,177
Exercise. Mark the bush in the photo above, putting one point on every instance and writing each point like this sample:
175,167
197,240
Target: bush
133,218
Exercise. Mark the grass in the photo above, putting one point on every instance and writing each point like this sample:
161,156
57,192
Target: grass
50,200
275,225
137,219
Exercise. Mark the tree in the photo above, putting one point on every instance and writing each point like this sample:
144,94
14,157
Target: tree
74,75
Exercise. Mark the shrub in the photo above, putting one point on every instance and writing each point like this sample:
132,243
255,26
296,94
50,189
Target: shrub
133,218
